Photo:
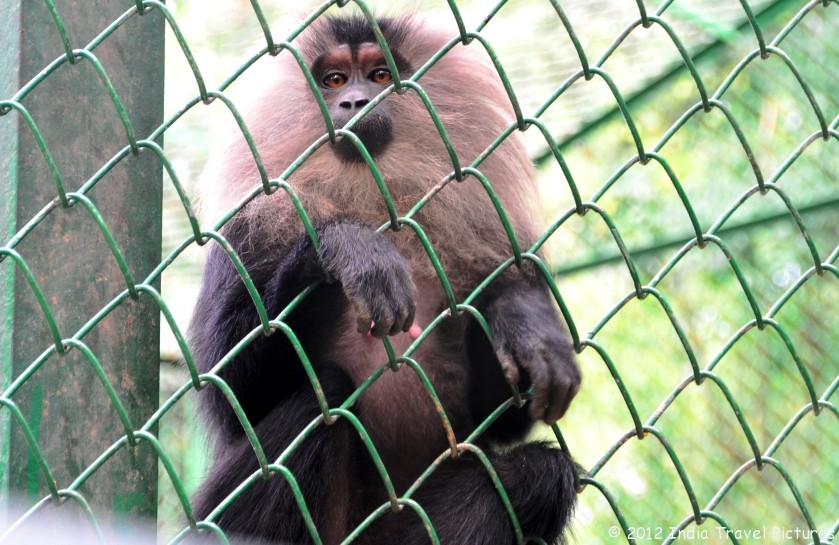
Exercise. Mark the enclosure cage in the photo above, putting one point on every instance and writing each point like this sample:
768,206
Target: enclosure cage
688,159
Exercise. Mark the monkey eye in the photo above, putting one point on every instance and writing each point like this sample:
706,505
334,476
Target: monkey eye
380,75
334,80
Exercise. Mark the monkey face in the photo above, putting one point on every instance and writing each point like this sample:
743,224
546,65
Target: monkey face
351,75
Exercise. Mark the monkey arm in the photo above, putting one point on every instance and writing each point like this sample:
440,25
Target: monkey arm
528,336
373,275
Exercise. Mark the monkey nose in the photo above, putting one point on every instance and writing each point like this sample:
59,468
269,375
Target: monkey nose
354,103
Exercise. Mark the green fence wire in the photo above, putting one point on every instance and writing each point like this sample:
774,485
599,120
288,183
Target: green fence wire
756,414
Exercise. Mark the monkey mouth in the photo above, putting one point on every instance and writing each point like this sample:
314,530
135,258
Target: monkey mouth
375,133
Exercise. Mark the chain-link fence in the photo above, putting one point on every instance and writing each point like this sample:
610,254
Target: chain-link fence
689,170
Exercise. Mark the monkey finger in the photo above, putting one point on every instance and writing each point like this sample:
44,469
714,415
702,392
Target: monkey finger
383,324
396,327
538,405
561,395
558,388
364,318
508,366
405,308
567,384
570,393
539,375
403,312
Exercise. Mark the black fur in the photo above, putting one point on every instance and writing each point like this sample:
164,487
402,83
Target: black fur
374,131
376,282
268,511
333,468
355,30
364,277
539,482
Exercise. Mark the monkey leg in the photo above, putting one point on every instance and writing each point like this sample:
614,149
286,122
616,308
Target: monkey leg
465,507
323,466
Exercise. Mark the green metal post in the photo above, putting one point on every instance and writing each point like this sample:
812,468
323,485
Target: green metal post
9,42
64,402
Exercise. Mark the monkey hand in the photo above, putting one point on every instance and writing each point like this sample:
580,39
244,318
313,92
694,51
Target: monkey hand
375,277
527,336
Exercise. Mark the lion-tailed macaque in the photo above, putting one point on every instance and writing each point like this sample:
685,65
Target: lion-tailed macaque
382,284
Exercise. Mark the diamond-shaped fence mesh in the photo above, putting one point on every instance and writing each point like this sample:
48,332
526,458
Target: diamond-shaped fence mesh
690,175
